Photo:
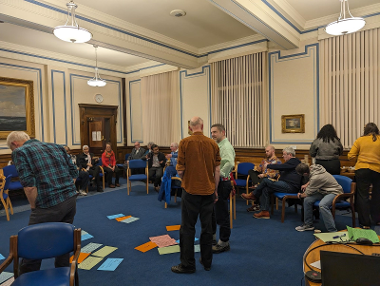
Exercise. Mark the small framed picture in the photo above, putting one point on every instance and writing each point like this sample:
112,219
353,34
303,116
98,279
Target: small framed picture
293,123
189,131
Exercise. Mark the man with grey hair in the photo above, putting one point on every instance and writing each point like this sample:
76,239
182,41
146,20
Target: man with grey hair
174,149
48,176
289,182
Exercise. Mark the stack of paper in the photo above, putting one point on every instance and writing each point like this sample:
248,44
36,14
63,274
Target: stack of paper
163,240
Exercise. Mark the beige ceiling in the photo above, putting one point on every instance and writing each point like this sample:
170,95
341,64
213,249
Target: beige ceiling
204,24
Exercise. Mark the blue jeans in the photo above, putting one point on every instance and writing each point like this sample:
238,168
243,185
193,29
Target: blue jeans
267,188
324,209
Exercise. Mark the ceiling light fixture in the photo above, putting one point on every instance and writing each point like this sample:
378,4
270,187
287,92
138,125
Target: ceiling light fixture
71,32
97,80
345,25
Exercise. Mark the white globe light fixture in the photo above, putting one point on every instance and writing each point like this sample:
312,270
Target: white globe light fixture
96,80
345,25
71,32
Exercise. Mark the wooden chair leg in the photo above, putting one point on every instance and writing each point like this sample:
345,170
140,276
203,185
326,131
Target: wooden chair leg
128,186
276,204
104,183
175,196
166,205
147,187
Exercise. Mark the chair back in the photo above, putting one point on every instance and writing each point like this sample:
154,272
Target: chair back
345,182
100,163
127,156
8,180
45,240
10,170
243,168
138,163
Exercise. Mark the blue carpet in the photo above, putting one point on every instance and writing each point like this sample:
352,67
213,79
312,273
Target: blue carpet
263,252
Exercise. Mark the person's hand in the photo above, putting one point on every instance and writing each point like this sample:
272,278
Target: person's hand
89,164
303,187
168,156
265,165
161,162
301,195
261,176
216,197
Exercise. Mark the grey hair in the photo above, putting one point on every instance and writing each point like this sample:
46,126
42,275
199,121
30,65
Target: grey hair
150,144
289,150
18,136
175,144
84,147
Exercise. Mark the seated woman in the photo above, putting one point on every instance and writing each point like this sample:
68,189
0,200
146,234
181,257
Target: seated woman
156,163
86,161
109,166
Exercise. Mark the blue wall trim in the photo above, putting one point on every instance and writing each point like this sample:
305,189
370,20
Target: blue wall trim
185,75
120,120
130,110
315,83
39,78
64,103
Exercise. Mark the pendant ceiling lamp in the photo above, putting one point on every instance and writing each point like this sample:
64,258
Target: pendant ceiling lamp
96,80
345,25
71,32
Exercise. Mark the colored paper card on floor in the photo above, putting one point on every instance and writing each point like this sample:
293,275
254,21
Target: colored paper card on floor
168,249
163,240
90,247
129,220
146,246
86,236
5,276
90,262
1,257
104,251
110,264
115,216
123,217
197,248
8,282
82,256
173,227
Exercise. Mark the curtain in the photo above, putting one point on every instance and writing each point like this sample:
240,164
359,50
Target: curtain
238,101
161,108
350,83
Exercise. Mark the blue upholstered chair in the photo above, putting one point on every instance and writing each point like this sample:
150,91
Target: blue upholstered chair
340,201
42,241
14,184
4,196
283,197
242,170
137,164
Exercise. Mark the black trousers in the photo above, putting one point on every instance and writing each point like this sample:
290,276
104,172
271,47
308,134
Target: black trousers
220,215
94,172
331,166
192,206
254,176
83,182
63,212
365,206
155,175
110,175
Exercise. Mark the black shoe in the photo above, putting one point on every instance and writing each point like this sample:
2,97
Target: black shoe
180,269
205,268
219,249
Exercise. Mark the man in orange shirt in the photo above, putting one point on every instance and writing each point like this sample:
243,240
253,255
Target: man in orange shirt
198,165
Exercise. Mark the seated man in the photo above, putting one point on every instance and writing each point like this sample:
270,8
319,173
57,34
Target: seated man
137,153
289,182
83,176
174,151
322,187
156,163
87,162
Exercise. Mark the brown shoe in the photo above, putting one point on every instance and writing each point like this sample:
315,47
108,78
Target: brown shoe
117,185
253,187
262,215
111,186
248,197
253,208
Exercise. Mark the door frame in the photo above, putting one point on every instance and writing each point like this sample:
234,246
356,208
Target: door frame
93,110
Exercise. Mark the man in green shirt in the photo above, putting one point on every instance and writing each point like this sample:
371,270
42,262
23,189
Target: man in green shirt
220,216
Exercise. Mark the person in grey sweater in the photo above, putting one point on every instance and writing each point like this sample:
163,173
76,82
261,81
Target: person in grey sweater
322,187
326,149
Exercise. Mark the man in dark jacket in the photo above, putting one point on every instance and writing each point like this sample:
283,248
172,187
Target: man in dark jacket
87,162
289,182
156,164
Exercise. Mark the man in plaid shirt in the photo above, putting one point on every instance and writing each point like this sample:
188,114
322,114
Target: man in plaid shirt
48,177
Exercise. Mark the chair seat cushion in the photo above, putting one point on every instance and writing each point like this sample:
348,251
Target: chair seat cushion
241,182
120,165
14,186
137,177
282,195
49,277
339,205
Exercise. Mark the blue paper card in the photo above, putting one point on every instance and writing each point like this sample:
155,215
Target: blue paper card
110,264
1,257
5,276
86,236
115,216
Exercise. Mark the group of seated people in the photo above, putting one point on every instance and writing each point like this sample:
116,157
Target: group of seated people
88,165
274,176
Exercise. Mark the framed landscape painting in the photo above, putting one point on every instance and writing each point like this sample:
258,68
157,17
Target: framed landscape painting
16,106
293,123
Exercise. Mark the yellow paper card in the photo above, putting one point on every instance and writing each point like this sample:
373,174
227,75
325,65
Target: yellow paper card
90,262
173,227
82,256
104,251
123,217
146,246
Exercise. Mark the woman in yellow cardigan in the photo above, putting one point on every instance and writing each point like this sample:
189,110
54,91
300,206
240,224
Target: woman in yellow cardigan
366,152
